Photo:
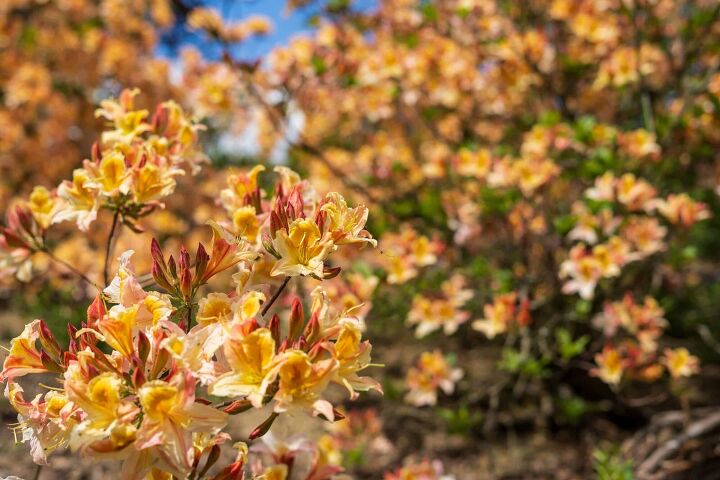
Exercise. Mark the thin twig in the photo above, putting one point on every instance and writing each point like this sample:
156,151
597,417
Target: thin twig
275,296
110,246
69,267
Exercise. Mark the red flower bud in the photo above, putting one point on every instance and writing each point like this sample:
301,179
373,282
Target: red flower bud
297,320
263,428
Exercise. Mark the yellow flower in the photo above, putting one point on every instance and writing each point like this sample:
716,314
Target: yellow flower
680,363
80,199
117,328
246,223
151,182
302,382
353,355
171,415
345,224
302,249
248,306
610,366
215,308
241,185
250,359
24,357
43,206
112,173
474,164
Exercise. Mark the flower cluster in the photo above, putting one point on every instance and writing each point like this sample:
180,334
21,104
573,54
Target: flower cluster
134,376
430,314
133,167
433,371
405,252
632,331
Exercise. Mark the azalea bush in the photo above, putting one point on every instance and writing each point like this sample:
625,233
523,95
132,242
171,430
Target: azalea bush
540,180
152,376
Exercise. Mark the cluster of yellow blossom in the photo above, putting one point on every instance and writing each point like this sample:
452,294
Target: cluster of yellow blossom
502,314
430,314
137,378
133,167
406,251
57,59
632,331
629,238
138,402
433,371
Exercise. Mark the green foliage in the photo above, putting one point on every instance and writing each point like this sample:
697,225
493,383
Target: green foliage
571,408
568,347
609,464
461,420
516,362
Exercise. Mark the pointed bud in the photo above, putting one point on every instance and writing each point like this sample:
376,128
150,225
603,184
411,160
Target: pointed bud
48,342
143,347
49,364
331,272
186,278
320,219
159,276
156,253
96,153
263,428
162,357
96,311
275,223
172,268
13,240
186,282
274,327
138,378
201,261
238,406
268,246
297,320
213,457
312,329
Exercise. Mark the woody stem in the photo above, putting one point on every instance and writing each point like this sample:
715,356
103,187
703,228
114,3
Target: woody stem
110,245
269,304
69,267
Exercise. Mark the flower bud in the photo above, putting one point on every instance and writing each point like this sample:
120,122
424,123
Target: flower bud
297,320
237,406
263,428
201,261
48,342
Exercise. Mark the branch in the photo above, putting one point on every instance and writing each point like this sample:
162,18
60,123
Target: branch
72,269
110,246
269,304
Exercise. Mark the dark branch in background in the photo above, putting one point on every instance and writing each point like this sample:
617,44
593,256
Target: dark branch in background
302,145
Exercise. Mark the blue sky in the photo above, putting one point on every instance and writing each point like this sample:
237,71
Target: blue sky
285,25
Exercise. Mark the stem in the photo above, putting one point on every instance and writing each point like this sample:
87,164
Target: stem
275,296
69,267
37,472
110,246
